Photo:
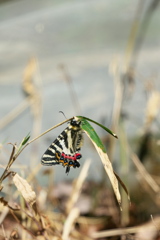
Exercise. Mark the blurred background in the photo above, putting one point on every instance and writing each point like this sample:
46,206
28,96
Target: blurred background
94,58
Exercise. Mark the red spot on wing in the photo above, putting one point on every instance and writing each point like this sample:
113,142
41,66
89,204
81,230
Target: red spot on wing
78,155
74,157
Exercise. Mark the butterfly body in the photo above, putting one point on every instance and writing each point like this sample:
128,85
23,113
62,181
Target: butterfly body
65,149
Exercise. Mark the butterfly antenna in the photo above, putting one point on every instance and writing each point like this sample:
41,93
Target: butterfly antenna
63,114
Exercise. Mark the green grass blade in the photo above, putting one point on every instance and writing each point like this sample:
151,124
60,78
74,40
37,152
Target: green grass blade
100,125
25,140
91,132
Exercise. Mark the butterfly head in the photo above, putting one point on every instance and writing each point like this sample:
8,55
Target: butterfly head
75,123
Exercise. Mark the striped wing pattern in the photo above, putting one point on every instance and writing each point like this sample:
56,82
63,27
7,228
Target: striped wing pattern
65,149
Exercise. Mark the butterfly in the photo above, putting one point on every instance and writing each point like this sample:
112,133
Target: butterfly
65,149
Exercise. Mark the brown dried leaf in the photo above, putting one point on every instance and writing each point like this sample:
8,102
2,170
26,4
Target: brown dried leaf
25,189
109,170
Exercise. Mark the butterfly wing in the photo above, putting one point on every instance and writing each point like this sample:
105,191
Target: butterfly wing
53,154
64,150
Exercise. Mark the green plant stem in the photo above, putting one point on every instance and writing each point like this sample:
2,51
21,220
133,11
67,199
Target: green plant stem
18,153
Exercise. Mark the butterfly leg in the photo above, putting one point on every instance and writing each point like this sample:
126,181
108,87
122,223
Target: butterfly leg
67,169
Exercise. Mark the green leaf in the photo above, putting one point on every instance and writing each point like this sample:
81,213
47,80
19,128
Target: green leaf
93,135
114,178
100,125
89,130
25,140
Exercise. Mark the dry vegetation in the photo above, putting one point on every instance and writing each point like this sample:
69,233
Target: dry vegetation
85,209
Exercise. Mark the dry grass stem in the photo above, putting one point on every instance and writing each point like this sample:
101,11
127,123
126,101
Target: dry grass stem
4,212
148,231
152,109
50,129
14,113
73,215
117,105
34,139
109,170
144,174
28,84
115,232
118,87
78,186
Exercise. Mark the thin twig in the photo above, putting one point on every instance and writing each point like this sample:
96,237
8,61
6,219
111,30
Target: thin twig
14,157
15,217
8,165
17,154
